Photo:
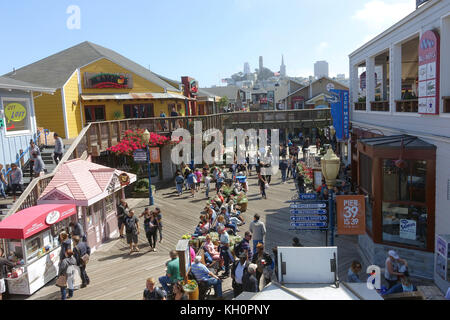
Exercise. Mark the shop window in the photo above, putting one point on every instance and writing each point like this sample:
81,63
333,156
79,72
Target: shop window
15,249
132,111
33,246
365,173
109,204
94,113
404,208
17,115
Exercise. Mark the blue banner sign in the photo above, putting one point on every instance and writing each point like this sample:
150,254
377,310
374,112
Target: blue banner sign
309,211
309,218
308,196
309,224
340,114
318,205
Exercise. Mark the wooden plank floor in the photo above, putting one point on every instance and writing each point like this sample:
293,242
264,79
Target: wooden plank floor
116,275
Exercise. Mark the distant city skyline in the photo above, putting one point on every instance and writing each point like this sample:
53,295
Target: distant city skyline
283,28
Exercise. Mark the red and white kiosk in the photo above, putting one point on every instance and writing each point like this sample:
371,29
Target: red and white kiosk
31,239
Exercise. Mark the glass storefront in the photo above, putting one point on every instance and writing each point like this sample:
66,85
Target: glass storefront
404,209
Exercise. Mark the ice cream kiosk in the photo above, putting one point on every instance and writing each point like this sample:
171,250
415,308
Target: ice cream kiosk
31,240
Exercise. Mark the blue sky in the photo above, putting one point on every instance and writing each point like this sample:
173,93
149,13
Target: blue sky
205,39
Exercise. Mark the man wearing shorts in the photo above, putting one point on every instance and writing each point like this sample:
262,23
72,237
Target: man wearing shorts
16,176
132,231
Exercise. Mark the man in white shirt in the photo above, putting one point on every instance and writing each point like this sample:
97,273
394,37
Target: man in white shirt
237,273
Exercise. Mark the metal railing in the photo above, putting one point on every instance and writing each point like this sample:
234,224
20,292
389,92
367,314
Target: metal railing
96,137
379,105
411,105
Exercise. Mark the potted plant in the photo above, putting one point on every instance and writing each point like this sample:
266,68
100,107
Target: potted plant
191,288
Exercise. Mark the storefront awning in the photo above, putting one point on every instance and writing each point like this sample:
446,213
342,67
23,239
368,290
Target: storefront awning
30,221
134,96
395,142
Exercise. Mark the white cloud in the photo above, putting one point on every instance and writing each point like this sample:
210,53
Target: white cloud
379,15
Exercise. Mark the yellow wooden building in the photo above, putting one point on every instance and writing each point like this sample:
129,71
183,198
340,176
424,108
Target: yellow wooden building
95,84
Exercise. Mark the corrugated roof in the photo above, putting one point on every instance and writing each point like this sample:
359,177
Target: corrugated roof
230,92
55,70
409,142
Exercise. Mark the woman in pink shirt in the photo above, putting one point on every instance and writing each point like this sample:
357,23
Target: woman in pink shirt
198,175
211,248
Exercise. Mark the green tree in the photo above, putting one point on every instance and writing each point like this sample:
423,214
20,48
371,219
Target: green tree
223,102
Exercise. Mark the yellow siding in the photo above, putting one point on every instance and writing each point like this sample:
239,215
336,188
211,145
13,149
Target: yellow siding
71,94
103,65
49,114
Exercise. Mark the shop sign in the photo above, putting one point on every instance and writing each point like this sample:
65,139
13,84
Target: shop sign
408,229
351,214
52,217
155,156
107,80
140,155
330,86
124,179
429,64
16,116
193,87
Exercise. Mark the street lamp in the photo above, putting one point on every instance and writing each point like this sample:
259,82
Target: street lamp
330,164
146,137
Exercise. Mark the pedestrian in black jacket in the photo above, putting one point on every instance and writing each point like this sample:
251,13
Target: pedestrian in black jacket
4,265
263,261
65,243
249,281
80,249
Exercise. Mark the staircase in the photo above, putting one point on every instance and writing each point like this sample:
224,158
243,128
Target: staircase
50,165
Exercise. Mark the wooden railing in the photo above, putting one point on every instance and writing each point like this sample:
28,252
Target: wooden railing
407,105
96,137
379,105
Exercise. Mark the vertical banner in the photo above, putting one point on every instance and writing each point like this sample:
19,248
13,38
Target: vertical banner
429,64
351,214
339,113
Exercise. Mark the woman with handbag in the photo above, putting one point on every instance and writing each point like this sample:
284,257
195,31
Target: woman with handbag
66,274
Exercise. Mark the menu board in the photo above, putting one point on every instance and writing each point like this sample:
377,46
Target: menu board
429,63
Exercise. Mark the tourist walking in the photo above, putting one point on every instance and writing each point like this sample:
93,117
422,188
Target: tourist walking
122,213
16,179
59,148
224,250
249,281
244,246
38,165
198,177
66,244
5,264
263,260
33,149
238,271
179,181
151,292
158,216
132,231
152,233
172,273
3,182
207,185
283,169
192,183
305,149
353,272
202,273
81,252
258,230
67,271
77,230
262,185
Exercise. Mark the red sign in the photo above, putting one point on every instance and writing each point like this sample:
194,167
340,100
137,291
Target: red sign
351,214
429,64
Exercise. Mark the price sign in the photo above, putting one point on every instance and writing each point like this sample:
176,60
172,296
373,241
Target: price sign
351,214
